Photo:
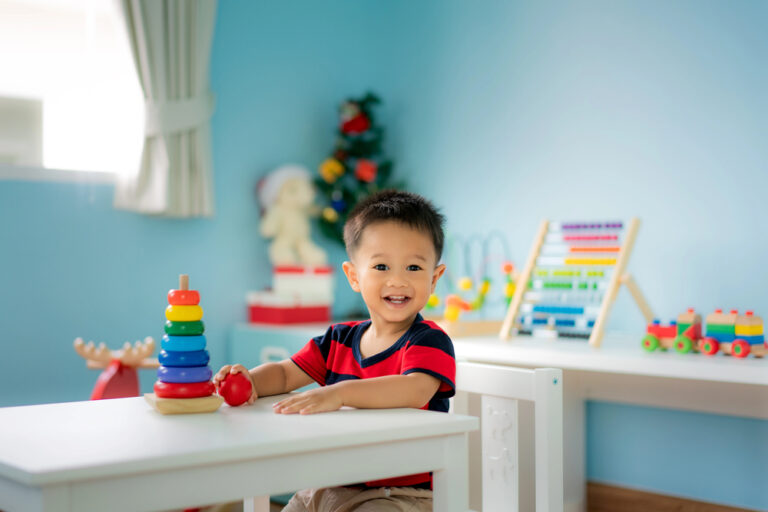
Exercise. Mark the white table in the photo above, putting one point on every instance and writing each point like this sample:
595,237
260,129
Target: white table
120,455
620,371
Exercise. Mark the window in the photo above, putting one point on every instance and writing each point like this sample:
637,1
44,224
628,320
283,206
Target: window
69,95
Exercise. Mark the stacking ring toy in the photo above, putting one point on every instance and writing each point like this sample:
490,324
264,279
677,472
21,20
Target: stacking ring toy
184,328
183,313
183,343
186,374
183,298
184,390
195,358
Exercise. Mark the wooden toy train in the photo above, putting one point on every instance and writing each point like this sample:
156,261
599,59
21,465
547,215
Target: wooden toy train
730,333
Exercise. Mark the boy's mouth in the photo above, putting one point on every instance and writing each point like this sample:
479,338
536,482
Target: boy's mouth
397,300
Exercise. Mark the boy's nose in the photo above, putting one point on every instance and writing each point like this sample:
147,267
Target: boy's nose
396,280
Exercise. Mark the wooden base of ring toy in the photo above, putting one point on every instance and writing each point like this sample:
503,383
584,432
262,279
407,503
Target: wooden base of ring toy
183,405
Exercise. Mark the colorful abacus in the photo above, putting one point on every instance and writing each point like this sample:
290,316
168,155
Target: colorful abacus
184,377
573,274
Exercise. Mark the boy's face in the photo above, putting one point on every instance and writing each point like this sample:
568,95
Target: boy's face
395,269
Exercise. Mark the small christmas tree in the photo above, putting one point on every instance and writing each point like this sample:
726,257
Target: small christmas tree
356,168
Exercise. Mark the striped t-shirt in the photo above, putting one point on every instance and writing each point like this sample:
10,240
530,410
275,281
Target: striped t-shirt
335,356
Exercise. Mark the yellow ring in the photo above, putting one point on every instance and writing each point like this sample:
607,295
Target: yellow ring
183,313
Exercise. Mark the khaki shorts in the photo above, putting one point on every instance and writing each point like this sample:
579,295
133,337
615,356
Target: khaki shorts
346,499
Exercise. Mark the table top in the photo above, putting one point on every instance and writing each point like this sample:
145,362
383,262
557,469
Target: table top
66,442
619,353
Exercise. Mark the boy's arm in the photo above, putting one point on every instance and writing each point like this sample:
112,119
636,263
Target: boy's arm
412,390
269,378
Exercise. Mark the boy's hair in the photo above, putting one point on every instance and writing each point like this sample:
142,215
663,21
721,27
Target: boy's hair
407,208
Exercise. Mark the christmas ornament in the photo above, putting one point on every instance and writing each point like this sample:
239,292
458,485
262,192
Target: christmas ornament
365,170
353,119
331,169
355,168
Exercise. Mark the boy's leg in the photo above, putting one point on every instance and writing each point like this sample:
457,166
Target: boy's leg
389,499
331,499
298,502
343,499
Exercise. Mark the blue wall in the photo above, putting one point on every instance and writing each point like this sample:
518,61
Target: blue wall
503,113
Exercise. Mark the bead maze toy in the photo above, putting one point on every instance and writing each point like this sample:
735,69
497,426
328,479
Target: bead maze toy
184,377
119,378
730,333
467,297
571,279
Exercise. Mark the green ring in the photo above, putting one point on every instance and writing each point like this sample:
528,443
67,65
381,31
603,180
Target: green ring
184,328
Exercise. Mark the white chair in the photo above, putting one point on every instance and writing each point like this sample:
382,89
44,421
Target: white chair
504,439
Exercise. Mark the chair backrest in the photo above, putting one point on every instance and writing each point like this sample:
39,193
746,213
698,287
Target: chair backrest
500,389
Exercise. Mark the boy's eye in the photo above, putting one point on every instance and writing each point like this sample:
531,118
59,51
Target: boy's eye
414,268
380,266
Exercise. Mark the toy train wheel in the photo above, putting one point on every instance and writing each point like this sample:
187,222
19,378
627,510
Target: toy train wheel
650,342
683,344
740,348
709,346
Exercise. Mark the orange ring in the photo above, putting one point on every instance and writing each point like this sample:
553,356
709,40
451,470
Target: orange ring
183,297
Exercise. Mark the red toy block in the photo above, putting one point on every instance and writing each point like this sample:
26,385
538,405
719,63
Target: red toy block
288,315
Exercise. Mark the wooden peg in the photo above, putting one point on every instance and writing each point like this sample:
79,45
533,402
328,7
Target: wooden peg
183,282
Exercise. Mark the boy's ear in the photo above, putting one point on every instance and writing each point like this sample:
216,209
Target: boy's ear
351,272
436,275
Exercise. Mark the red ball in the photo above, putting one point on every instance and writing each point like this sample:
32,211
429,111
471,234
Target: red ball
236,389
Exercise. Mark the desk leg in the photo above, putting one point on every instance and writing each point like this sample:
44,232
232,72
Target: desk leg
574,443
451,483
256,504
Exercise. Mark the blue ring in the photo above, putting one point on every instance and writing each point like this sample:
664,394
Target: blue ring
176,359
183,343
184,375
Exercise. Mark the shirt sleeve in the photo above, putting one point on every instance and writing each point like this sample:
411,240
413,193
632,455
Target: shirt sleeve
312,358
431,352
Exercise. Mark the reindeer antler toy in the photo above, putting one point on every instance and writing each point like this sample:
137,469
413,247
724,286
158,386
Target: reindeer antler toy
119,379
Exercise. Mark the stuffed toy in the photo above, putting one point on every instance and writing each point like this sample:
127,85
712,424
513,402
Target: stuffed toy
287,198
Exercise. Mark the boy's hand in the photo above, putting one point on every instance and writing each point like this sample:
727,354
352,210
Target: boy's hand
309,402
235,368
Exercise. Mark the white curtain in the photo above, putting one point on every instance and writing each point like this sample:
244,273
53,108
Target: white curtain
171,45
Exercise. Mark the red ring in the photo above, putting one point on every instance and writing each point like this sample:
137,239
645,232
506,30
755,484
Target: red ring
184,389
183,298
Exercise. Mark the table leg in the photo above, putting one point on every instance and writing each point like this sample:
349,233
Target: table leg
574,443
451,483
256,504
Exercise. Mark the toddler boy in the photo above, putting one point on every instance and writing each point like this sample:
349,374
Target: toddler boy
394,241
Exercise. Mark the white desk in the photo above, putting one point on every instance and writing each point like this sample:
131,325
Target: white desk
120,455
620,371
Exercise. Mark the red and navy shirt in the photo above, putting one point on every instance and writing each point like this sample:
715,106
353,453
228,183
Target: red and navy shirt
335,357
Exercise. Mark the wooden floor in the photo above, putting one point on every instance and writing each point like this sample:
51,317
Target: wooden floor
608,498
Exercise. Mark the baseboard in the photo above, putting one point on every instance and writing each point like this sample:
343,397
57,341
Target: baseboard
610,498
